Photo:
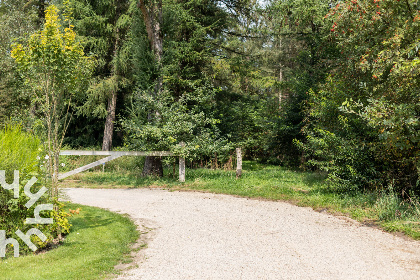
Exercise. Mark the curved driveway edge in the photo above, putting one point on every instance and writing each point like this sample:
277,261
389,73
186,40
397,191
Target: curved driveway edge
213,236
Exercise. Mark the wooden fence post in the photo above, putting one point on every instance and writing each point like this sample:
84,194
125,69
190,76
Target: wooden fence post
238,163
182,165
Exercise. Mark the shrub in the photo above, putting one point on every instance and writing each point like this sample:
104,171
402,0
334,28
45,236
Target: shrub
23,151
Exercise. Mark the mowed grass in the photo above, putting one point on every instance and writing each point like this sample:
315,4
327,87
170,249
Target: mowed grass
274,183
98,241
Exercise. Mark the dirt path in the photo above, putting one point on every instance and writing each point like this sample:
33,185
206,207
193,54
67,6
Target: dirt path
208,236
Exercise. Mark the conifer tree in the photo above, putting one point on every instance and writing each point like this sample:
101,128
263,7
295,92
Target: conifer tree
103,27
179,35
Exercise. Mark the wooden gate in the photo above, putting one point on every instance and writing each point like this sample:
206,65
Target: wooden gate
113,155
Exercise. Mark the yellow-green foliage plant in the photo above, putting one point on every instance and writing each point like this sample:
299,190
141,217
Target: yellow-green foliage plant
55,68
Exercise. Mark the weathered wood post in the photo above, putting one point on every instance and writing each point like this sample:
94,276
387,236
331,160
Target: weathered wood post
182,165
238,163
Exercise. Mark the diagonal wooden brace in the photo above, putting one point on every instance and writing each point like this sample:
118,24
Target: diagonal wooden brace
88,166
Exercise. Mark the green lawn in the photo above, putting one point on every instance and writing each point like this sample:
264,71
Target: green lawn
98,241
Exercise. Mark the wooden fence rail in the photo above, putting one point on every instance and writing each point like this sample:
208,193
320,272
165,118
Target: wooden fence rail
113,155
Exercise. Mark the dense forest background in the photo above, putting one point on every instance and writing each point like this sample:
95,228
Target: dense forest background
313,84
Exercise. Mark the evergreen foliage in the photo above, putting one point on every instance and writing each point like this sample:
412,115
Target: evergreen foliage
103,28
301,56
186,103
309,83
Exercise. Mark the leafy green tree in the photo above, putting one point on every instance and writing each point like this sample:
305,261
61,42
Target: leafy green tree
229,61
364,123
15,22
202,68
300,57
55,67
152,12
239,66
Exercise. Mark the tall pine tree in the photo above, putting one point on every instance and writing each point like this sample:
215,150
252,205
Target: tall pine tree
104,28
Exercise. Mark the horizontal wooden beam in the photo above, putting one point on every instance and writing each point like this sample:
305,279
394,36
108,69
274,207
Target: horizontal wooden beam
116,153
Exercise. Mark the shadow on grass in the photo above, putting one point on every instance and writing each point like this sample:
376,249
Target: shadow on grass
253,166
90,221
314,179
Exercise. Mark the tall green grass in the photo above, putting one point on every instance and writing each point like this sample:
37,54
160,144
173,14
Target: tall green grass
19,150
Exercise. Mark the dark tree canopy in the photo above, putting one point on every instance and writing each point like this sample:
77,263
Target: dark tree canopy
327,86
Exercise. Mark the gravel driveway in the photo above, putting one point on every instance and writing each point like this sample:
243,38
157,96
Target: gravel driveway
208,236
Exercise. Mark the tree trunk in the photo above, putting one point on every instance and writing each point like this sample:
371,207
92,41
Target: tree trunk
152,15
280,91
280,95
112,101
109,122
41,12
153,166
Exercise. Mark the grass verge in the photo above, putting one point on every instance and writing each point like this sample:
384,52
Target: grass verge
275,183
98,241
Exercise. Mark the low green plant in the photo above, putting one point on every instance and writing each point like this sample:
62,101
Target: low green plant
388,205
22,151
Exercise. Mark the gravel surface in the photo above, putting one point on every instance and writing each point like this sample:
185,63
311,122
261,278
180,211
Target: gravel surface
196,235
